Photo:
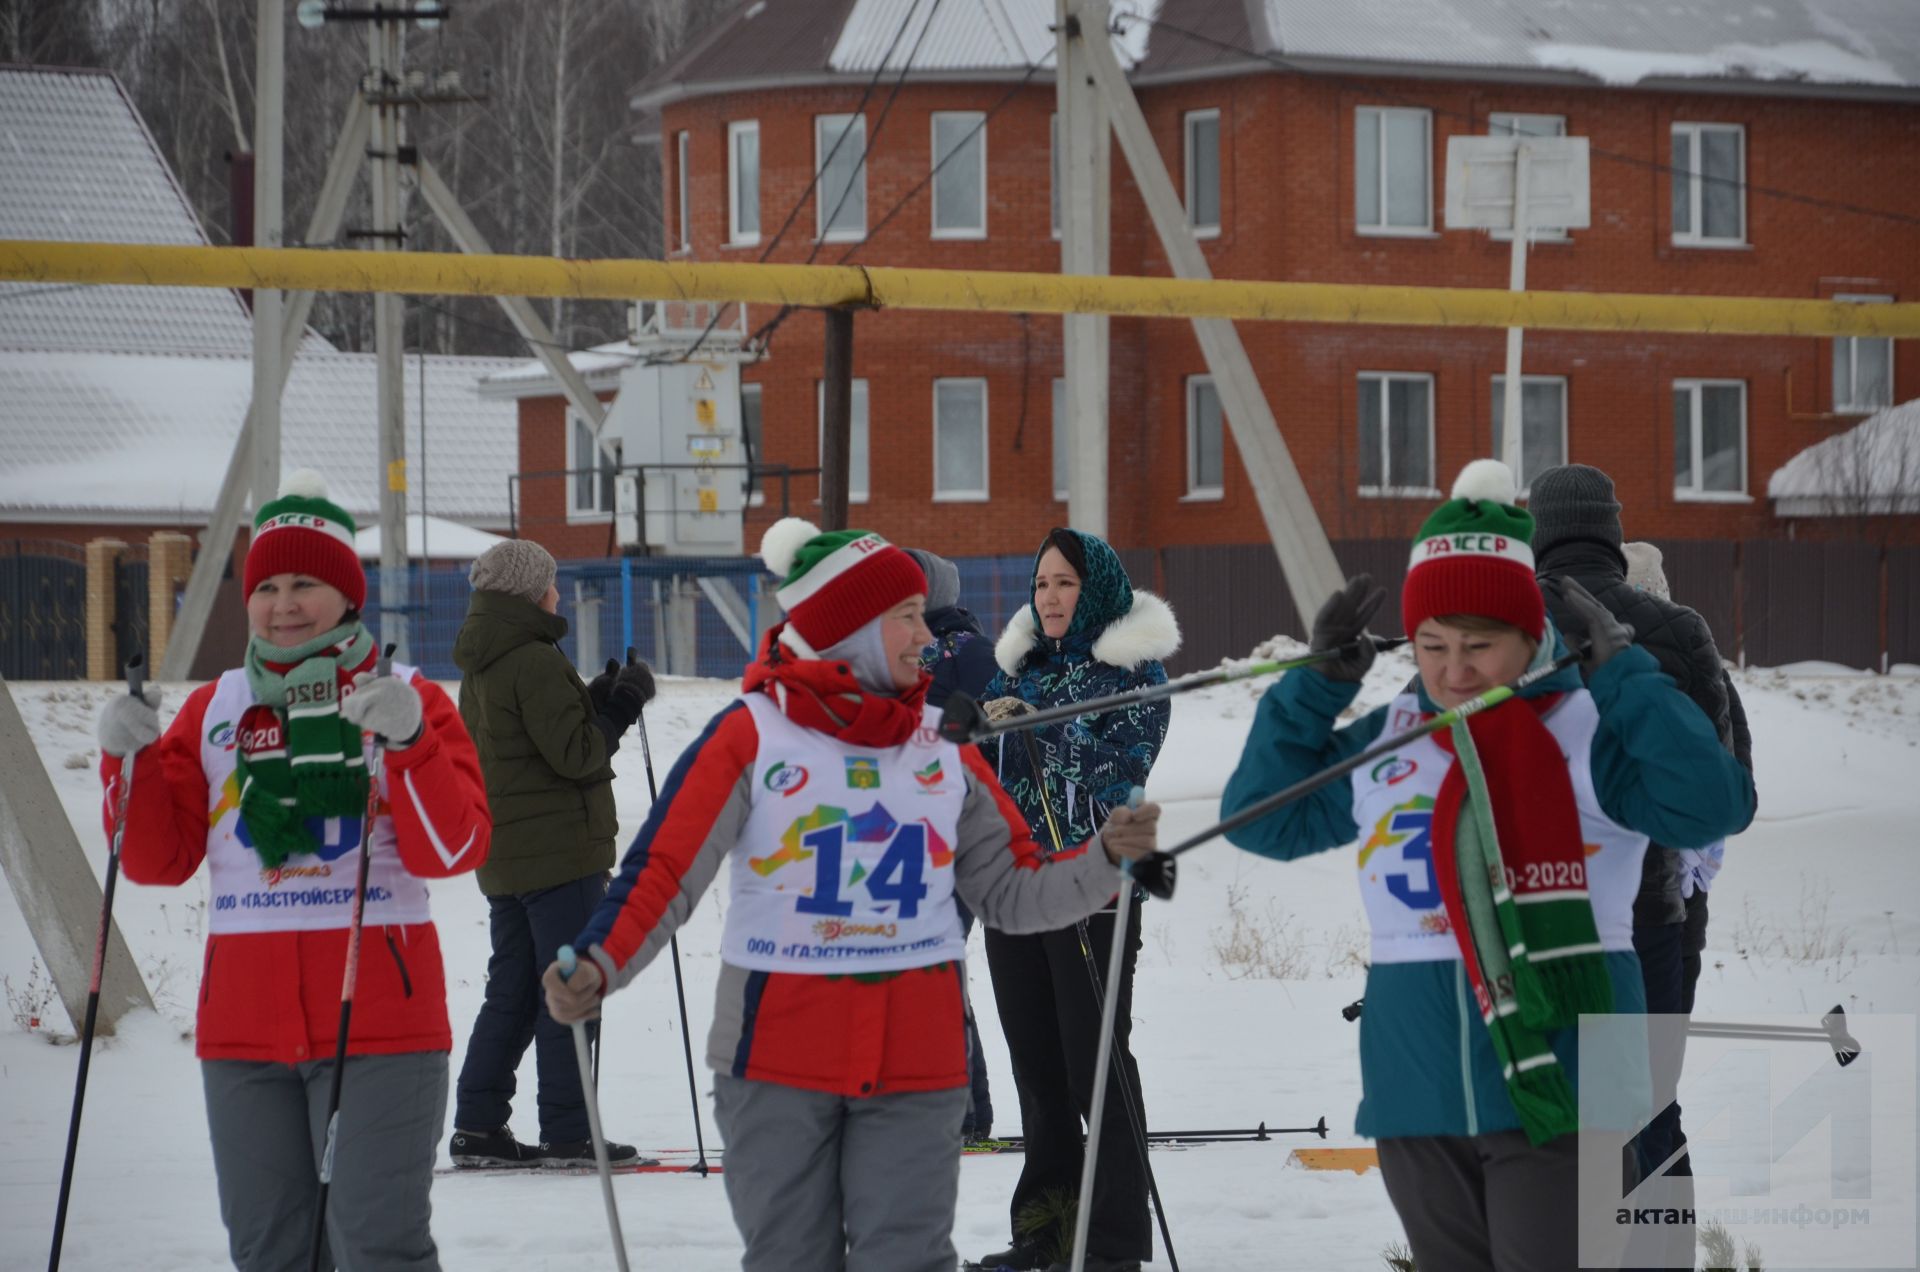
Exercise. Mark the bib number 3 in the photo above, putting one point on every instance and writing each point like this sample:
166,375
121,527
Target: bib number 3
896,877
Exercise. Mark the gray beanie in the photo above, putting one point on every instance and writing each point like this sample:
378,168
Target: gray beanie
518,567
943,579
1573,501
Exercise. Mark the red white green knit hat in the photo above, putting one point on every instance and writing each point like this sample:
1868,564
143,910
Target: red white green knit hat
1474,555
833,583
304,532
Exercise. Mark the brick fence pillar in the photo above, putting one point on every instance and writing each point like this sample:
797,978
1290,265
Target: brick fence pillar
169,563
103,556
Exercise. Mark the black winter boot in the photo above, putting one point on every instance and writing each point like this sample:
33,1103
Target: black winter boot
1024,1255
489,1150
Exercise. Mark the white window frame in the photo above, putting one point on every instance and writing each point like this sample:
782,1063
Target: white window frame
855,494
736,236
680,147
1694,494
1062,435
756,485
1053,173
1202,230
576,514
1848,347
1695,237
1197,493
986,450
979,118
1498,385
820,148
1512,120
1387,378
1383,230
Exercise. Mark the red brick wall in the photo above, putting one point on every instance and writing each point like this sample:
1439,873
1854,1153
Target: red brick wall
542,512
1287,213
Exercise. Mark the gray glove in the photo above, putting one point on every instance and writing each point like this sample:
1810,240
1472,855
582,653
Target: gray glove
387,706
130,724
999,709
1342,624
1593,623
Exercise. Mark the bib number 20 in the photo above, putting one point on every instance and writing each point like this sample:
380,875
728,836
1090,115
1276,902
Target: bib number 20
897,876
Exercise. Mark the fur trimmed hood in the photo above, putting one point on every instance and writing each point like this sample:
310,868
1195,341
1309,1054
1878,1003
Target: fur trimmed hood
1147,632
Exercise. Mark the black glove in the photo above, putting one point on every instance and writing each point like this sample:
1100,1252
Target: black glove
1590,622
618,713
1342,624
601,685
637,676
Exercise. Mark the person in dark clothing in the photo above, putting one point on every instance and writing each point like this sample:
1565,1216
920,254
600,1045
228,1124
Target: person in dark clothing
960,659
1087,633
545,742
1577,537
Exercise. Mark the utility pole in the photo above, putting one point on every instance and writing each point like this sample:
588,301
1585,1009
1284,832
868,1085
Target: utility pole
1511,450
269,353
1083,153
384,81
836,419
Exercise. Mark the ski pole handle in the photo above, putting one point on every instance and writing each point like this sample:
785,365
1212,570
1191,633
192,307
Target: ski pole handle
136,674
568,961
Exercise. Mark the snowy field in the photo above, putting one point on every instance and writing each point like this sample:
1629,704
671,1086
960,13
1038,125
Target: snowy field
1237,1007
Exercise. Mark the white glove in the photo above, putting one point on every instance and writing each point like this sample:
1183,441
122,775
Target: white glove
130,724
386,705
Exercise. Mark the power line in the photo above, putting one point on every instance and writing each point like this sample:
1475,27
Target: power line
1372,87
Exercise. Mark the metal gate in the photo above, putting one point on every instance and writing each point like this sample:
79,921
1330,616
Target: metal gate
43,610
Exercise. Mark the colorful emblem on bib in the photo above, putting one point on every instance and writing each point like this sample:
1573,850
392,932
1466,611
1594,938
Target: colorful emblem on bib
1408,827
1393,770
786,779
930,777
863,772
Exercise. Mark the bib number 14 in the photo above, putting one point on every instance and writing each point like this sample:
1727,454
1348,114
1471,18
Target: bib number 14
896,877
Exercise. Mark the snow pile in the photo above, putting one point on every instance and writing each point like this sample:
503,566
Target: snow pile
1872,469
1812,61
996,36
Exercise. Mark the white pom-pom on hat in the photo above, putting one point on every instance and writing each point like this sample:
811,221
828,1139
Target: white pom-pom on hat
782,543
306,483
1486,479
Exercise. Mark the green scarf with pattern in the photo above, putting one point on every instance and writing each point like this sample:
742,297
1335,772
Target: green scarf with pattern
297,758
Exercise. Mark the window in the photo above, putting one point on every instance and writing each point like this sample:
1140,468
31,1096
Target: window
959,174
1053,182
1709,438
1392,171
1396,434
1205,460
680,190
750,435
1709,184
743,187
1862,367
959,439
1203,171
1543,424
1506,124
839,156
1062,439
856,443
591,469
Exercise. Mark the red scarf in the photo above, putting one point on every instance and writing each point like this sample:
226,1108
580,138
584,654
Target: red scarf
824,696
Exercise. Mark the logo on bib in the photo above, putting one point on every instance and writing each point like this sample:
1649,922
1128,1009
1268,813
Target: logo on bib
863,773
1393,770
787,779
930,777
221,735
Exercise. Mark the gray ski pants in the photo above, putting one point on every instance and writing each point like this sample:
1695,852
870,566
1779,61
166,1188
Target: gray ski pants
269,1128
1490,1202
822,1183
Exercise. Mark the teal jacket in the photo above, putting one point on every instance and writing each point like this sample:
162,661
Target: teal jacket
1427,1064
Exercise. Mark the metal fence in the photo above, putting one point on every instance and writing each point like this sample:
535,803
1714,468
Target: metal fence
130,603
43,610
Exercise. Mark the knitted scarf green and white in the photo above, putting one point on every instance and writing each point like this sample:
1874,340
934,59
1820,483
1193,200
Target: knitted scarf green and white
298,758
1512,872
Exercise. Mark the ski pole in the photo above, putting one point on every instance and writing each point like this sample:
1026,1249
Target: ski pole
962,722
1103,1060
1260,1134
349,978
135,674
679,985
1157,873
568,961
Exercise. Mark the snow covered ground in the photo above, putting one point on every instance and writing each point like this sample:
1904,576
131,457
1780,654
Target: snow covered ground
1236,1011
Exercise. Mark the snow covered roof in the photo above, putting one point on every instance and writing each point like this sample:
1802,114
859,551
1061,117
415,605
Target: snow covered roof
143,438
1778,46
1872,469
443,540
601,364
76,162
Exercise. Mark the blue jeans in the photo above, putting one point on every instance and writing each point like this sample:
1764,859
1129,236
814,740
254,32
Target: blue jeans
979,1119
528,930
